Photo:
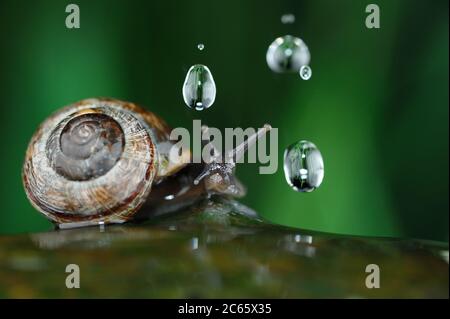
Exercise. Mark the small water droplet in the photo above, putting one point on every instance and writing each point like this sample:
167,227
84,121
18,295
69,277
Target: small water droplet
169,197
288,18
303,166
200,46
199,89
194,243
305,72
444,255
287,54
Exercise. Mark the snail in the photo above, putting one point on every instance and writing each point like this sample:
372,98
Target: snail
99,161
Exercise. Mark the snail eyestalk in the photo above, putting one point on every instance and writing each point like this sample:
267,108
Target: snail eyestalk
237,153
217,155
231,157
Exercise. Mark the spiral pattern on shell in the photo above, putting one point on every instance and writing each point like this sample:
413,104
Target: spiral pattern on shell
94,160
85,147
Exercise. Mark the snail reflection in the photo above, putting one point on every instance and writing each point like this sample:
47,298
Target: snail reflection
221,211
299,244
90,237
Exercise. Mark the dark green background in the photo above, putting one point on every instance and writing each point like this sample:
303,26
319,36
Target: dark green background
376,106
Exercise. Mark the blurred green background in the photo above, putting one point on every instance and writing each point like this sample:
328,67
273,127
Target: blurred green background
376,106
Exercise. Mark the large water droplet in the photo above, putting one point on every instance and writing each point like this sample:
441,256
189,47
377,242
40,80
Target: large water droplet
200,46
287,54
199,89
303,166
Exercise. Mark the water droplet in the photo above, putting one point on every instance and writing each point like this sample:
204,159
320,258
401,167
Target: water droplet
199,89
200,46
101,225
169,197
305,72
287,54
303,166
444,255
288,18
194,243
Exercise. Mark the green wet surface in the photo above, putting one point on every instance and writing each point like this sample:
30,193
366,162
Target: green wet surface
217,249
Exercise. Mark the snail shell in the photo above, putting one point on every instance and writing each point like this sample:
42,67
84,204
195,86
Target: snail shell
95,161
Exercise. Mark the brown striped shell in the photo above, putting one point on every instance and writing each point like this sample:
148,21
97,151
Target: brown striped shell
95,162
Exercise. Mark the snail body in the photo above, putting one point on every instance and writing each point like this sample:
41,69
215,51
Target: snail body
97,160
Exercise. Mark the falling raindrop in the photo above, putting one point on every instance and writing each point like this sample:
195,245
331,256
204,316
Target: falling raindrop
199,89
200,46
305,72
303,166
287,54
288,18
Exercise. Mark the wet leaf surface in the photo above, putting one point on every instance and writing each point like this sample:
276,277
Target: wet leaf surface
218,248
